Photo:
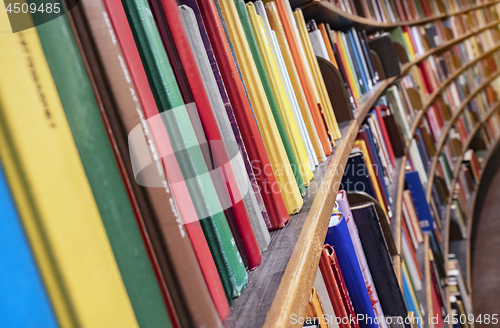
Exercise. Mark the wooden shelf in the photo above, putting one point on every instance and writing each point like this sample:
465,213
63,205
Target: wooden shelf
446,82
449,124
326,12
458,246
282,283
470,214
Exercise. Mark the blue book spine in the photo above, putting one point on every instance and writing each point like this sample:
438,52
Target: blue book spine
378,164
23,298
410,304
357,60
339,238
419,199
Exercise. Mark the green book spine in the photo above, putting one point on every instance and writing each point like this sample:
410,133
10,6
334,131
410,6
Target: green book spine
245,22
187,150
103,173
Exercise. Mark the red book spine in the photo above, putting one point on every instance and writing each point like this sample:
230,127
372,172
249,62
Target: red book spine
244,116
385,135
181,194
242,226
331,286
423,77
342,287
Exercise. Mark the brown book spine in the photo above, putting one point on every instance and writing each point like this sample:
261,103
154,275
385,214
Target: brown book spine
171,250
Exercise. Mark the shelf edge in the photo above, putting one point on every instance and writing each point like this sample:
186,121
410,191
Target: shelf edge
297,281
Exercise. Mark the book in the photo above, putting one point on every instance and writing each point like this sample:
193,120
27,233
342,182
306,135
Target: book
254,145
324,100
287,182
419,201
230,143
263,62
344,207
356,175
52,192
306,79
102,171
21,285
338,236
300,93
287,83
122,101
181,133
336,288
278,90
379,260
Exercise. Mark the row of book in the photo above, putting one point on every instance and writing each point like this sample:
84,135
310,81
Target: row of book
452,116
392,11
147,149
363,60
356,265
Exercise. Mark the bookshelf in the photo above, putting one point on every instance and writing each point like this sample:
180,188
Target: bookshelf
325,11
293,255
462,247
280,285
447,82
449,124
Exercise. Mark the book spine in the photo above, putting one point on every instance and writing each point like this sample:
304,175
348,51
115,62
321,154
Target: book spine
277,87
244,115
52,192
229,191
286,182
20,282
277,28
299,58
196,42
103,173
324,99
182,135
260,62
121,93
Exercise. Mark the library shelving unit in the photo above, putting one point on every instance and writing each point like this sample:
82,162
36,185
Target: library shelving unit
281,284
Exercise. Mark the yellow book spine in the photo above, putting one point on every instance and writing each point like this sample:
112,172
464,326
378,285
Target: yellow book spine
328,45
326,105
52,192
349,68
275,149
409,45
276,26
278,91
362,145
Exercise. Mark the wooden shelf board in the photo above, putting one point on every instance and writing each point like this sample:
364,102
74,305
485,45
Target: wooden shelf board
396,193
281,284
326,12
